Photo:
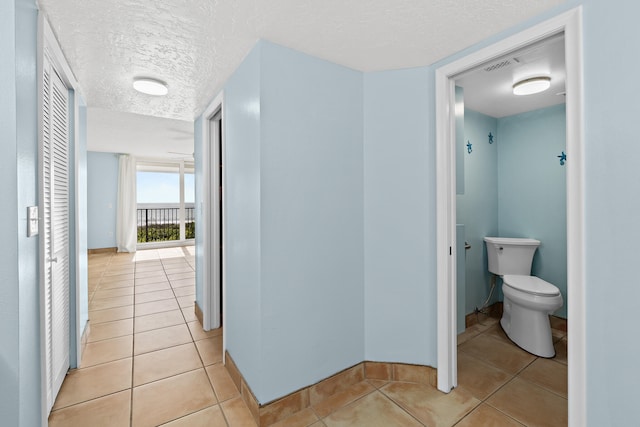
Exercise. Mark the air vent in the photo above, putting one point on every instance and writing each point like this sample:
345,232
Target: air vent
498,65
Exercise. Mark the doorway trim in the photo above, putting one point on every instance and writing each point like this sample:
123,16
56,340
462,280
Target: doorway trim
211,286
569,23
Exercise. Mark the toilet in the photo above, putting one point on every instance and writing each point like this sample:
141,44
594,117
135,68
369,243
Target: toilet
528,300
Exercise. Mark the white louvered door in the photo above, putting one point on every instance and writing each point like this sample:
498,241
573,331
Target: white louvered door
55,188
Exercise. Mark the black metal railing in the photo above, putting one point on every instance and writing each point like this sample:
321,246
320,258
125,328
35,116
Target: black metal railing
161,224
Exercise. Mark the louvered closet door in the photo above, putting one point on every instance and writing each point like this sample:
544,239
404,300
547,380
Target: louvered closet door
55,187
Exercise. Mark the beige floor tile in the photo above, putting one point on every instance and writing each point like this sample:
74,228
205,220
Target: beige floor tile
222,383
165,363
210,350
317,424
304,418
485,415
373,410
110,314
114,285
185,291
199,334
343,398
561,351
150,280
108,350
209,417
154,296
116,276
109,411
104,303
178,276
504,356
158,339
153,287
155,307
430,406
547,374
479,378
237,413
529,404
179,283
470,332
187,301
117,328
81,385
116,292
171,398
189,314
143,274
177,267
158,320
378,383
143,266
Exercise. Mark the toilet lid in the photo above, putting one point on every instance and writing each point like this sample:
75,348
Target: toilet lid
530,284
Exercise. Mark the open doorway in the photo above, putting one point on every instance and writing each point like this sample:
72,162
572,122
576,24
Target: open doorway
213,216
569,25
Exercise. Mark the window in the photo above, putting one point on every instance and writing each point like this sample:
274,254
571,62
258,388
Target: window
165,196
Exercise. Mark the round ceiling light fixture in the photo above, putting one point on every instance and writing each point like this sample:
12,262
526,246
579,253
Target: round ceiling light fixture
150,86
532,85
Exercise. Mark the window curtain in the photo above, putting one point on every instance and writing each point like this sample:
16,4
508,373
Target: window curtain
126,227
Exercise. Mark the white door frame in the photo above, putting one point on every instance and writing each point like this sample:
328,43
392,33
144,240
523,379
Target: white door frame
570,23
211,306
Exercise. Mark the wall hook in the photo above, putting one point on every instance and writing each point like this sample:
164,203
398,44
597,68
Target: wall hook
490,138
469,147
563,158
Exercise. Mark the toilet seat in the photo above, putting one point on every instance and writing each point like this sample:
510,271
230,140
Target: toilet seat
530,284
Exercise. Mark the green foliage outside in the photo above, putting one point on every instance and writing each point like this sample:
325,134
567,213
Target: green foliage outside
165,232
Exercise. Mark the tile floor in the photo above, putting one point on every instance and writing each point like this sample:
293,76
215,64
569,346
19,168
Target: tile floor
148,362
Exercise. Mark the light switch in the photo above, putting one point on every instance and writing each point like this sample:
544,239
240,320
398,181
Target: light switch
32,221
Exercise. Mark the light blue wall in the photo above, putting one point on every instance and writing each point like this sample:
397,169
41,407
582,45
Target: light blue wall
399,231
102,199
477,208
9,223
242,267
612,229
19,292
311,206
532,189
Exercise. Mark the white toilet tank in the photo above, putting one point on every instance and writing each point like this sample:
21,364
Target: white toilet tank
508,255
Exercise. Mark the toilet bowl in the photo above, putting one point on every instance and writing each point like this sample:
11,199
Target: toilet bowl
528,300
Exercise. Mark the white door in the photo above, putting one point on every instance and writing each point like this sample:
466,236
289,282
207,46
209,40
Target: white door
55,235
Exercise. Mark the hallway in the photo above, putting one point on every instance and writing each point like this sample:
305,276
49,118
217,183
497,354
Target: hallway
147,360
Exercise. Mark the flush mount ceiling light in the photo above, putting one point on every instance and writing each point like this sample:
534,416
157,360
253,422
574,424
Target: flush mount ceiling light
532,85
150,86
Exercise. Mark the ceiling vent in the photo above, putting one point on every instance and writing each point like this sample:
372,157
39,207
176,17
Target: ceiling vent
498,65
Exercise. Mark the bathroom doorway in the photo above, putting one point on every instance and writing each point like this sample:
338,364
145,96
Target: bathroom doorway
566,25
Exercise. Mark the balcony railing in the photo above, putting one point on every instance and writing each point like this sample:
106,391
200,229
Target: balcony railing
161,223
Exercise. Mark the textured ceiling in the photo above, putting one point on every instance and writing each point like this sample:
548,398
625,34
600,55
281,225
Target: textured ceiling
195,45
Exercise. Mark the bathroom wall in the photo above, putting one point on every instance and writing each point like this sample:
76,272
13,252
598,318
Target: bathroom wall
477,207
532,189
102,199
514,187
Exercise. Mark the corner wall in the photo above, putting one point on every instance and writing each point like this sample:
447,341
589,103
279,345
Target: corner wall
399,236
